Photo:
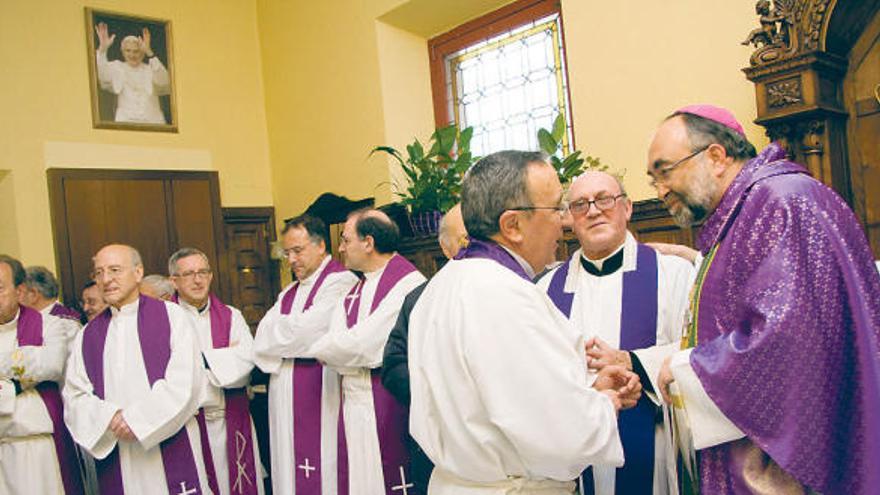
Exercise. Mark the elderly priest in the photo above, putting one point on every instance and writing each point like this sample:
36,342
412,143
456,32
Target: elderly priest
134,381
501,397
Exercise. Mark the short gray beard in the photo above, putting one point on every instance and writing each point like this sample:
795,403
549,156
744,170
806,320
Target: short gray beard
695,203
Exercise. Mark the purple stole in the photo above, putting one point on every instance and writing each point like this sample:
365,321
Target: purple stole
492,251
62,311
154,333
392,418
638,329
308,382
29,332
239,436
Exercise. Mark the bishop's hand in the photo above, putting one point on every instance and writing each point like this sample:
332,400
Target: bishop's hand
600,354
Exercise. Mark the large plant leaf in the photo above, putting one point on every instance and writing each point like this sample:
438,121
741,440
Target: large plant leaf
446,139
547,143
559,128
464,140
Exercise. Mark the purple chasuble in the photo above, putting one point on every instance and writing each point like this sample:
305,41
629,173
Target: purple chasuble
62,311
241,464
154,334
392,418
787,331
638,330
29,332
490,250
308,385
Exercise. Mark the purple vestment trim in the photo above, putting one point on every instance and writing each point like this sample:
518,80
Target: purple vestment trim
29,332
62,311
391,417
638,330
154,334
241,464
788,326
307,392
490,250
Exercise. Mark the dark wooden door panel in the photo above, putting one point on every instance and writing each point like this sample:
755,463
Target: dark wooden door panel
92,208
253,275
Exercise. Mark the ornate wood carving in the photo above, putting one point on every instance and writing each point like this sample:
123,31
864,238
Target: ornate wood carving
784,93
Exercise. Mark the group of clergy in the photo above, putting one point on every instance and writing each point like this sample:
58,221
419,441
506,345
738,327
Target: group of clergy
750,365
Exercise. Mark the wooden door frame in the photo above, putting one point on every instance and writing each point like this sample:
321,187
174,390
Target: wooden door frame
56,178
249,214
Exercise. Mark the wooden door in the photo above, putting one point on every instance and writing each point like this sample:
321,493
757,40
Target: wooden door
862,95
157,212
252,275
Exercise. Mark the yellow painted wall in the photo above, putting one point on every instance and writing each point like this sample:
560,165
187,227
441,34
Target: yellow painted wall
354,82
633,63
44,94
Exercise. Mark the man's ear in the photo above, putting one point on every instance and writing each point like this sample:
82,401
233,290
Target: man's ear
509,227
718,155
370,243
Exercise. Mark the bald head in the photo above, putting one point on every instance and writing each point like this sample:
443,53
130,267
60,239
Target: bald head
452,235
118,270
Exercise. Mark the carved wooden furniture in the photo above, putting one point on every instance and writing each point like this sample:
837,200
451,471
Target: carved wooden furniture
816,70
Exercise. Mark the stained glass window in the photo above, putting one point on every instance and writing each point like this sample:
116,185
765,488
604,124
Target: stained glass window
509,86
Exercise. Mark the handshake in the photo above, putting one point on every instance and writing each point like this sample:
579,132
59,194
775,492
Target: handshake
615,377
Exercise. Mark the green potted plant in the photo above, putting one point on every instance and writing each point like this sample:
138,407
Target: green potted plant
433,177
567,167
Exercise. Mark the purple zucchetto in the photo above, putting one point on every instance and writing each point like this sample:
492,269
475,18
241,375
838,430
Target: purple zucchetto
716,114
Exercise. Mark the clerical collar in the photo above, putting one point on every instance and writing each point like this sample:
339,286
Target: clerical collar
522,262
604,266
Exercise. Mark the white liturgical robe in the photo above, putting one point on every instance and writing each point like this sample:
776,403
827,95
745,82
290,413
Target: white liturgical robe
354,352
28,460
596,311
228,367
137,88
153,413
279,340
500,396
71,327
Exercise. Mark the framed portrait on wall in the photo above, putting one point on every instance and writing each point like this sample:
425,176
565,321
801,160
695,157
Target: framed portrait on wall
131,72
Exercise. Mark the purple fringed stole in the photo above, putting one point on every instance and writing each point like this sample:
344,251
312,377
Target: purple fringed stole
154,333
29,332
391,417
638,330
492,251
308,383
62,311
242,466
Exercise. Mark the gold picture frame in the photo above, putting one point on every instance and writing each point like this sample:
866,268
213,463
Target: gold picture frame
130,91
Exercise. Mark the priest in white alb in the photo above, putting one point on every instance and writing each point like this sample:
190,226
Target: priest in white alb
227,346
133,386
374,422
37,454
630,302
501,397
303,395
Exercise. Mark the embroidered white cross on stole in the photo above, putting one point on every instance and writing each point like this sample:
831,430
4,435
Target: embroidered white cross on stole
241,468
184,491
307,469
403,484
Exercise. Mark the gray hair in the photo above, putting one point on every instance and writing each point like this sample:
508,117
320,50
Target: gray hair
703,132
164,286
41,279
184,253
130,40
493,185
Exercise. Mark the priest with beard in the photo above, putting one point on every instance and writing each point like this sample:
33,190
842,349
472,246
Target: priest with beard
778,382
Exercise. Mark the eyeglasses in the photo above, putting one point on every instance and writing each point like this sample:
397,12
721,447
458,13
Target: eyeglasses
113,272
661,175
190,275
582,206
560,209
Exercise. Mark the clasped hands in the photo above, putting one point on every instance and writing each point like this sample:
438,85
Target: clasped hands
120,428
615,377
